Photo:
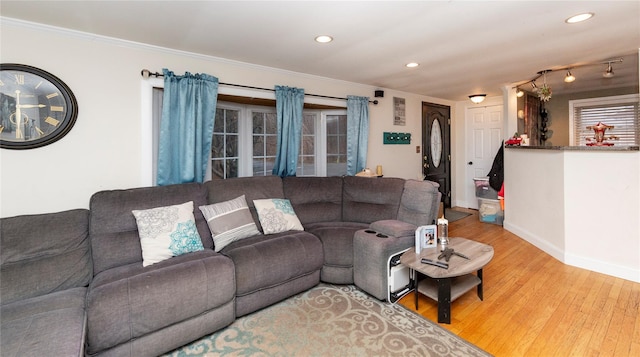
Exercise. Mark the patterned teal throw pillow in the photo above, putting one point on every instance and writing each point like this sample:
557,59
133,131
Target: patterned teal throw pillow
276,215
167,232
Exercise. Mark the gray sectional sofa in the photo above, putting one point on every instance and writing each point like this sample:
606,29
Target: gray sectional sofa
73,283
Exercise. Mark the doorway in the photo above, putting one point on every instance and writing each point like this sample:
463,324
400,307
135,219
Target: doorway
436,147
483,140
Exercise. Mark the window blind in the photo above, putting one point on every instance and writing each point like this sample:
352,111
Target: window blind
622,115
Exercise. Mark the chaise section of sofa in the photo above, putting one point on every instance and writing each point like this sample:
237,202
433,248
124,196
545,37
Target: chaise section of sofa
135,310
45,269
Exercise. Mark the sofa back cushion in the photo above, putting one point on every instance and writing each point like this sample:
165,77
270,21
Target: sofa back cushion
368,200
113,230
253,188
420,202
315,199
44,253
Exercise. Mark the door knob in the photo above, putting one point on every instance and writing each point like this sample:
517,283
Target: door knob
470,163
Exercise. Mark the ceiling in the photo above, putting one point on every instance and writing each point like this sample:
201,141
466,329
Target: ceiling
463,47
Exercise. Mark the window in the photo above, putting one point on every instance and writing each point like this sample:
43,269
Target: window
620,111
245,141
307,154
265,141
225,146
336,145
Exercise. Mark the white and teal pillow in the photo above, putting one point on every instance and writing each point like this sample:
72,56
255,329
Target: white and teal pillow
276,215
167,232
229,221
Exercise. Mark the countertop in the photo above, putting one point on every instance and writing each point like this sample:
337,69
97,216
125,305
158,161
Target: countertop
577,148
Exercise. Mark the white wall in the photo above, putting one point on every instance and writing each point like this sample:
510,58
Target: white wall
104,150
602,207
582,207
534,198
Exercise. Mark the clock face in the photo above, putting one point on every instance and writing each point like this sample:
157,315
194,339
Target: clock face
36,108
436,143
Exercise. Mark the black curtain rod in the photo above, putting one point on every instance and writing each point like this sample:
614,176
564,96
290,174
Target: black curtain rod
146,74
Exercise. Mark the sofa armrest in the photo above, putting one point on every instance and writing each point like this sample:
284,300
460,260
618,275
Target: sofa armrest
393,228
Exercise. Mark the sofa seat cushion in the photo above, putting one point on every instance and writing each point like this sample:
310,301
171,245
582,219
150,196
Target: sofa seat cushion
337,243
46,325
337,240
265,261
130,301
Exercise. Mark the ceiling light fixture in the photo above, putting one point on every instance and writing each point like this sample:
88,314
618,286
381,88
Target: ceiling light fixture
545,92
324,39
569,77
609,72
412,65
477,98
519,92
579,18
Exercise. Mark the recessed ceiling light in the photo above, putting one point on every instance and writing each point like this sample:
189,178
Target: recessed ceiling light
324,39
412,65
579,18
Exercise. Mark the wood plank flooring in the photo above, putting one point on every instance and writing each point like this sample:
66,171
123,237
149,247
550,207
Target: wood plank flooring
534,305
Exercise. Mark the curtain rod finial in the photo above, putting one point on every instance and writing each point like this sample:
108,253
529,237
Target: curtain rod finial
145,73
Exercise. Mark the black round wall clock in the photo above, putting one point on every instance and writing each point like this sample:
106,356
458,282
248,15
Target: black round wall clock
36,107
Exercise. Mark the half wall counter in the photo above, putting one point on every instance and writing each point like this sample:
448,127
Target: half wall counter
580,204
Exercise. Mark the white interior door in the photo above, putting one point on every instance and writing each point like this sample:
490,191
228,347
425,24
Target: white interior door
484,137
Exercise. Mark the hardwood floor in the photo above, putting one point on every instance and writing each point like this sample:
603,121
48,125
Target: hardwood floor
534,305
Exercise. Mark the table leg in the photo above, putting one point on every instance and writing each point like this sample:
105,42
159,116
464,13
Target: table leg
415,287
444,300
480,289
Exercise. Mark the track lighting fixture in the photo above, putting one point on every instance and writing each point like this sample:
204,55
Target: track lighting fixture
569,77
609,72
477,98
544,91
519,92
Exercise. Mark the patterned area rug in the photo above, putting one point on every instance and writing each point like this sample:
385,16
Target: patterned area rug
330,320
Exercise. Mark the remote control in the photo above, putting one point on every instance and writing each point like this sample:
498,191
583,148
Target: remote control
434,263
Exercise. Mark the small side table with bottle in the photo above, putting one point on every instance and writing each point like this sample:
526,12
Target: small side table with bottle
446,284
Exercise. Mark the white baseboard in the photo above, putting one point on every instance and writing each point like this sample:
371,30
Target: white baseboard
603,267
547,247
572,259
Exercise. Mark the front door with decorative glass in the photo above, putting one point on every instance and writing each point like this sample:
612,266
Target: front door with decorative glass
436,148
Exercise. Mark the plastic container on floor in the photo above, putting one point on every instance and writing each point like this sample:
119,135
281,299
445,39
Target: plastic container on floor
483,189
489,211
